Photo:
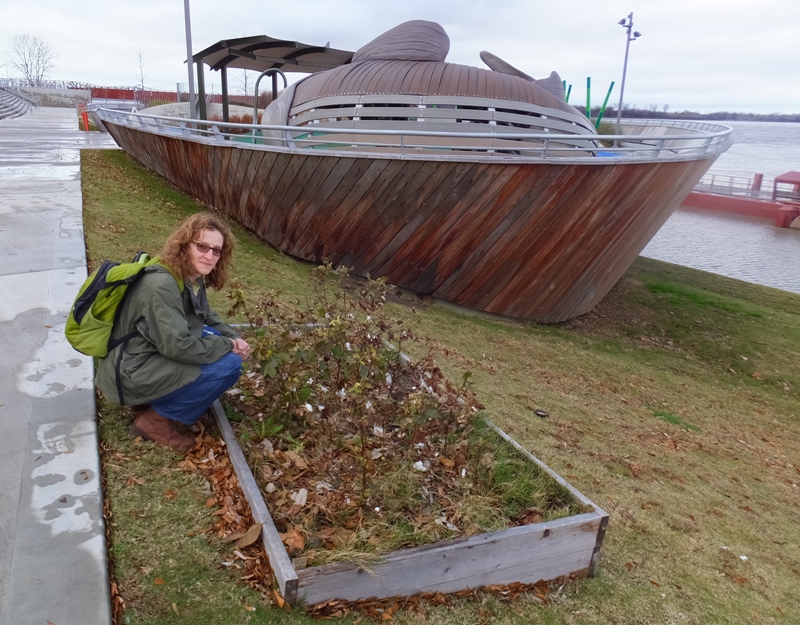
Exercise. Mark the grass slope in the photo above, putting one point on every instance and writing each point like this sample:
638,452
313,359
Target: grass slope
674,405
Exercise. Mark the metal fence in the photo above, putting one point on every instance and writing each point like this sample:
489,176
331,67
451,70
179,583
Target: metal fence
754,187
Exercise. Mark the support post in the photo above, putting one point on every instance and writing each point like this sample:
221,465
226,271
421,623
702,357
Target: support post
201,87
225,111
603,108
589,98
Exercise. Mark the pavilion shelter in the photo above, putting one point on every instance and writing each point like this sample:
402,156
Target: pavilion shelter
261,53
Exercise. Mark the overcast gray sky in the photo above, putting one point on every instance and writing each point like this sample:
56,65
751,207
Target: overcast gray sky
702,55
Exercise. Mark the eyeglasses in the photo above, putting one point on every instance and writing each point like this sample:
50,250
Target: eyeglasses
204,248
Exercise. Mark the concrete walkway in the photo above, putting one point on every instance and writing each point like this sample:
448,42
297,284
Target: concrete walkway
52,542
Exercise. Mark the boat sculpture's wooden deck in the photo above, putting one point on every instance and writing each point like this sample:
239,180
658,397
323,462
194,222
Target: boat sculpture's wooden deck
542,241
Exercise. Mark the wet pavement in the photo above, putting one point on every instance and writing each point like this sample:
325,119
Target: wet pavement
52,542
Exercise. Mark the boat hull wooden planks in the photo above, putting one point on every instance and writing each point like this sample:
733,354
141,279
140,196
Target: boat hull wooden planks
543,241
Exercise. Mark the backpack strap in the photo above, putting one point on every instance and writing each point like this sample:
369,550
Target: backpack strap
178,279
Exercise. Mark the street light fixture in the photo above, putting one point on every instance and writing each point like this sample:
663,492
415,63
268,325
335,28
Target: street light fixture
631,35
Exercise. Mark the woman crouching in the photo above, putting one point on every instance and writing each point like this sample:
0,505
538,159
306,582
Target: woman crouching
181,356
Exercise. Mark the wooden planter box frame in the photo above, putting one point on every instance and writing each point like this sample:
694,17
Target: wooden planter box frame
527,554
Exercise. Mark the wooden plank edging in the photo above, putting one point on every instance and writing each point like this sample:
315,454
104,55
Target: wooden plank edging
278,558
566,546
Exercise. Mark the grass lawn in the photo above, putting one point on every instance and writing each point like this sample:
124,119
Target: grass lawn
674,405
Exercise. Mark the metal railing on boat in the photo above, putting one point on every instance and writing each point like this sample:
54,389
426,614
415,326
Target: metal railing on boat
643,142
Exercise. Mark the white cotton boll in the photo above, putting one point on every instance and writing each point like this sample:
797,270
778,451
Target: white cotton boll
309,407
419,445
419,466
463,473
743,558
377,430
347,345
310,381
388,379
369,404
341,393
442,520
369,318
324,389
300,497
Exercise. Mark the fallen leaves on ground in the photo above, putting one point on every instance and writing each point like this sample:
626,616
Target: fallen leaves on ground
236,523
233,521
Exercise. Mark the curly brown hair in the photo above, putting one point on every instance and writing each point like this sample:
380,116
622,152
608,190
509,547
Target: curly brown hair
175,252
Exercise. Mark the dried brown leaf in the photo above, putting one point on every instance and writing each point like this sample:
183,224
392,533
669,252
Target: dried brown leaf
298,461
294,542
249,537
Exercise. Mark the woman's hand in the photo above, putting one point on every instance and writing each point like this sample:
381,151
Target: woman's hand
241,348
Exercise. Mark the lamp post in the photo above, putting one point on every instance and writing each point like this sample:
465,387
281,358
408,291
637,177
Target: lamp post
627,24
189,60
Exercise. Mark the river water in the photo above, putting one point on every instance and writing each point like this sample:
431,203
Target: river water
746,248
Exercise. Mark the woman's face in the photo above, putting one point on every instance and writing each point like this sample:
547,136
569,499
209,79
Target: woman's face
203,262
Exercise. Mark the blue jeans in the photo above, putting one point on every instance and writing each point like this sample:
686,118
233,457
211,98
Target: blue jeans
188,403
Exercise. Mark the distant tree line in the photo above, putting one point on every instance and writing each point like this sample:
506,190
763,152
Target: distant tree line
653,112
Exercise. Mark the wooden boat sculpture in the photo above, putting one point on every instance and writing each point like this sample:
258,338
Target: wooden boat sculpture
480,187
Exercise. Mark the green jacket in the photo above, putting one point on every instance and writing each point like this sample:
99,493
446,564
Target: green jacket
170,348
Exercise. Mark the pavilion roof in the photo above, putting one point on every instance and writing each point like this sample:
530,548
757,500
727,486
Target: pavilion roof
260,53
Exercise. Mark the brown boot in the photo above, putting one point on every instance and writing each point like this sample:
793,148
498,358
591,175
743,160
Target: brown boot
152,426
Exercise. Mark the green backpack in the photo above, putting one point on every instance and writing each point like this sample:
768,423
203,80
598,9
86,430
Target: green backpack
99,300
